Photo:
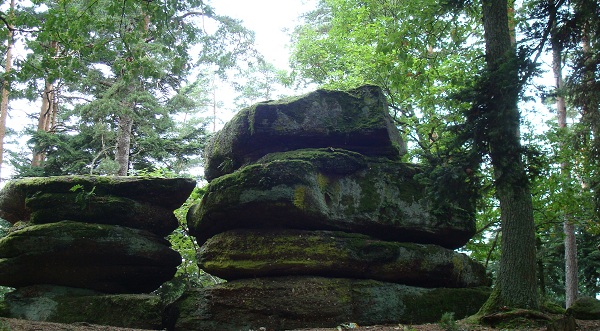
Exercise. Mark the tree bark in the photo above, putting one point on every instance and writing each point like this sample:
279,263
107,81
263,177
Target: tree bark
5,86
46,120
125,124
516,282
571,279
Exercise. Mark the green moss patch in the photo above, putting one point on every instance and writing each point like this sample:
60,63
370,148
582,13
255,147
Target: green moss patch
277,252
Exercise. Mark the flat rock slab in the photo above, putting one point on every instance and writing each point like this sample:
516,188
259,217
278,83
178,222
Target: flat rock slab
356,120
105,258
71,305
283,303
373,196
56,207
169,193
265,253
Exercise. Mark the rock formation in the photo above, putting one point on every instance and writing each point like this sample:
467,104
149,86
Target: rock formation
314,219
100,235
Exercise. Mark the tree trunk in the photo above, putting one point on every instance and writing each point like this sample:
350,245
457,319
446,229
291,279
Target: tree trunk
125,124
516,282
571,279
5,86
45,121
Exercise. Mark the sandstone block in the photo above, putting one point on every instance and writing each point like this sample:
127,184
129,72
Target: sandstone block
266,253
373,196
356,120
55,207
283,303
105,258
169,193
71,305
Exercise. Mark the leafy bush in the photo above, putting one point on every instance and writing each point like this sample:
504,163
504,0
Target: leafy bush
188,274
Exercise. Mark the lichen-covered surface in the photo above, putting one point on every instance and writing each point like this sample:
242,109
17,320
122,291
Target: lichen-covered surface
276,252
585,308
356,120
169,193
72,305
329,190
280,303
107,258
107,209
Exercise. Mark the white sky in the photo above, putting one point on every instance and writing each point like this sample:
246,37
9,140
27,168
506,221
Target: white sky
268,19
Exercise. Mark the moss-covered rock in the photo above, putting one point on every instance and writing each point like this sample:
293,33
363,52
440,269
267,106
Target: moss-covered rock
308,302
585,308
106,258
356,120
373,196
169,193
55,207
72,305
264,253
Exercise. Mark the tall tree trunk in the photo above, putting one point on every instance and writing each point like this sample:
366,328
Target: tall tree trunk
46,120
125,123
516,282
5,86
571,281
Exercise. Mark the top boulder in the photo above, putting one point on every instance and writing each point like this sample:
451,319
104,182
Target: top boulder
356,120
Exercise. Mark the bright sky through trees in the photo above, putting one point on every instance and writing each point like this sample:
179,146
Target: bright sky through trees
270,20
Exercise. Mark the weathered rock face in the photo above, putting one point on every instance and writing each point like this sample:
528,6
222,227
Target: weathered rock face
585,308
72,305
99,233
334,190
294,302
315,220
106,258
169,193
55,207
356,120
278,252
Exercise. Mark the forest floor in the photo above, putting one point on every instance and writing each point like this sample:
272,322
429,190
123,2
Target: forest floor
8,324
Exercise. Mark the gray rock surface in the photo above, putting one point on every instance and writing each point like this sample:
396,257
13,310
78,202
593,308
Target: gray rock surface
277,252
356,120
56,207
71,305
330,190
105,258
585,308
169,193
283,303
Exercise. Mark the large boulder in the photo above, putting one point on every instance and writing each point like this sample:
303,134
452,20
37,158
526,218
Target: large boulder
331,189
265,253
169,193
585,308
106,258
56,207
356,120
283,303
72,305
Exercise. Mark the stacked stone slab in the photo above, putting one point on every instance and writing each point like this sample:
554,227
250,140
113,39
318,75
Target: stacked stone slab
315,221
99,233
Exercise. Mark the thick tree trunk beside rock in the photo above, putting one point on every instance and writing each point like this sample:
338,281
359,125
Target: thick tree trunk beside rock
516,285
